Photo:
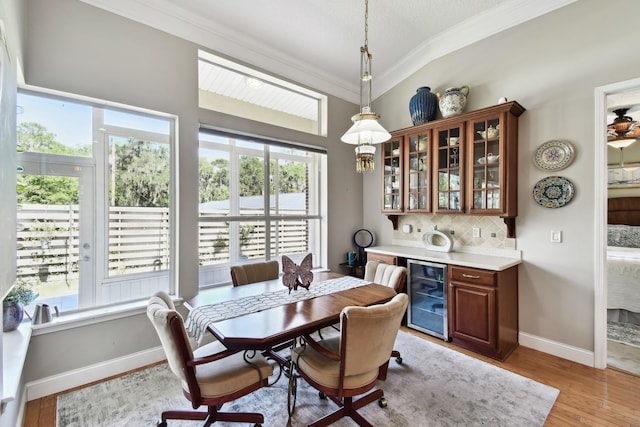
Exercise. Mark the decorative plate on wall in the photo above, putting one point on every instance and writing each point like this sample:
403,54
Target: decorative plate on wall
553,192
553,155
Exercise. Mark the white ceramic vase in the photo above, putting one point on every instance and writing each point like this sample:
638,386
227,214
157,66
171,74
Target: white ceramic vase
453,100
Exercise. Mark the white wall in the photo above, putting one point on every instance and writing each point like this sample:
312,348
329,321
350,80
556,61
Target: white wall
550,65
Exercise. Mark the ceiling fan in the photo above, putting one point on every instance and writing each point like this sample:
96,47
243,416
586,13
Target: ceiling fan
624,131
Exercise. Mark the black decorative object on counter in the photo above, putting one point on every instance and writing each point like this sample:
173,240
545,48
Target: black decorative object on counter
423,106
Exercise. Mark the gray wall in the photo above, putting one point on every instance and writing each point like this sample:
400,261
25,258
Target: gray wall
550,65
73,47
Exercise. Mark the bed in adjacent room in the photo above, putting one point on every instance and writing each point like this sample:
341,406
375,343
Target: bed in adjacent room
623,258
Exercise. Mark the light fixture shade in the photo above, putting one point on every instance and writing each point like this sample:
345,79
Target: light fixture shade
621,142
365,130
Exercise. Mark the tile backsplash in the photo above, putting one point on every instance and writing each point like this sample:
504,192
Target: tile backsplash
493,231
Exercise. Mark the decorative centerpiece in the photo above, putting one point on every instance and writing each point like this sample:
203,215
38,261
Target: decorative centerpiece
13,305
423,106
453,100
297,275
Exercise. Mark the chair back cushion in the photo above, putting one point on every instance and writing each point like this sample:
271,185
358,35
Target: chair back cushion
369,334
389,275
161,316
256,272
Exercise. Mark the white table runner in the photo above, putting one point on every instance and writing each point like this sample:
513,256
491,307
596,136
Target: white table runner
201,317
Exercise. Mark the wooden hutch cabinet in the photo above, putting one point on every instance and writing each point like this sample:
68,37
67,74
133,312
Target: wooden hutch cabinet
463,164
483,310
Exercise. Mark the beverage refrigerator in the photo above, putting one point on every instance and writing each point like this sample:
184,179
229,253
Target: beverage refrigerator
427,289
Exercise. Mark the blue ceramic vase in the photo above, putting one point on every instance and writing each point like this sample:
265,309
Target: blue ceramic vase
423,106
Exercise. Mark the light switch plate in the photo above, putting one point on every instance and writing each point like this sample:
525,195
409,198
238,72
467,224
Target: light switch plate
476,231
556,236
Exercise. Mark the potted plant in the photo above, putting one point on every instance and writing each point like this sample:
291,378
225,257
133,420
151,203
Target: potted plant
13,304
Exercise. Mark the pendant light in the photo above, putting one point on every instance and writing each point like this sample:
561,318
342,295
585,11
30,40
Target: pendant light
365,130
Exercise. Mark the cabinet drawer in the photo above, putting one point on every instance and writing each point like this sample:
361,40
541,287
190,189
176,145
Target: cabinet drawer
473,275
387,259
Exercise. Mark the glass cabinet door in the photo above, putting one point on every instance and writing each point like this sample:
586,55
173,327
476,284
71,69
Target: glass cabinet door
448,169
486,168
417,165
392,175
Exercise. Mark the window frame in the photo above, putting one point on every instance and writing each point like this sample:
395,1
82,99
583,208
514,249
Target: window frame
99,162
317,243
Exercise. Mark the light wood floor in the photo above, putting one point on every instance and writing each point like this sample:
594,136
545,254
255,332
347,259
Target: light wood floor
588,396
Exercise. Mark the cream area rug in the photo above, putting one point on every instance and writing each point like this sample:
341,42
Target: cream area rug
435,386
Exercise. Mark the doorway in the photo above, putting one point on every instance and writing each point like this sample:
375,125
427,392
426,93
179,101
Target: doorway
603,97
56,237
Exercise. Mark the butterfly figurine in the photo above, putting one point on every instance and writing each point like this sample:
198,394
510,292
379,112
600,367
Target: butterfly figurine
297,275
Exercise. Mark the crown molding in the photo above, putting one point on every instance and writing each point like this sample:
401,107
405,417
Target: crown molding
465,33
166,16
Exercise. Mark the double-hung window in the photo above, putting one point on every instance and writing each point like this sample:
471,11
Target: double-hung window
259,200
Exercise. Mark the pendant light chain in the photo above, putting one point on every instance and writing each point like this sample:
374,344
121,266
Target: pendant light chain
366,25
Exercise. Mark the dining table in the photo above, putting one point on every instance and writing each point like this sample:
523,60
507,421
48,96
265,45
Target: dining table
230,313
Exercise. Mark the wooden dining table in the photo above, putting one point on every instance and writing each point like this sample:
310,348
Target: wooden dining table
266,329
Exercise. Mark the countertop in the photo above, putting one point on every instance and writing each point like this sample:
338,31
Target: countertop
464,259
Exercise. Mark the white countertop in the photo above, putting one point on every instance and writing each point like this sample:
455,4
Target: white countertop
464,259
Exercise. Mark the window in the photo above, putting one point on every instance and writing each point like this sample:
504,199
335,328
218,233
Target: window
258,201
231,88
95,208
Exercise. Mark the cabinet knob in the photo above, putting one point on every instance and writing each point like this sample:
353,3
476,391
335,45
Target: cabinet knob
469,276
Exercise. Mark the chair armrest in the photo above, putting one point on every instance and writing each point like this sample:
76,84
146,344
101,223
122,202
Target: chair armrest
320,349
210,358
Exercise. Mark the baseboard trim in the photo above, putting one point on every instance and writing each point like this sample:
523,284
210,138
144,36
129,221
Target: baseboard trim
575,354
78,377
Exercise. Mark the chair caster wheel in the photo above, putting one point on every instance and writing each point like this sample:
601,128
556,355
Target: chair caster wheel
399,360
322,396
382,402
162,424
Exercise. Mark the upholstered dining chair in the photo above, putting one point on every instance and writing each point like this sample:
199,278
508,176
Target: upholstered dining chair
210,375
255,272
351,364
390,275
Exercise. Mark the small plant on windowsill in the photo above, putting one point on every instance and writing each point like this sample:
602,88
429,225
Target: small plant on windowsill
13,304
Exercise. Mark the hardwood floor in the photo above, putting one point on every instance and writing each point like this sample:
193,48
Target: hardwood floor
588,396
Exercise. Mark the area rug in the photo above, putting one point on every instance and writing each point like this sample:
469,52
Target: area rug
625,333
435,386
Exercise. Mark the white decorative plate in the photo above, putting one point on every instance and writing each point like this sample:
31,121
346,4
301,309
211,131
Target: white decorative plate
553,155
553,192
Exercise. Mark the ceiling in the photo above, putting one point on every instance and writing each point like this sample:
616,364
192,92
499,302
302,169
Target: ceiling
317,43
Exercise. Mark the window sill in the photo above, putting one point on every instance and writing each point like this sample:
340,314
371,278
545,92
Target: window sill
93,316
14,352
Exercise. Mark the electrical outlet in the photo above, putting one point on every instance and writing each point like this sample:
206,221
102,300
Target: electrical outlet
476,231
